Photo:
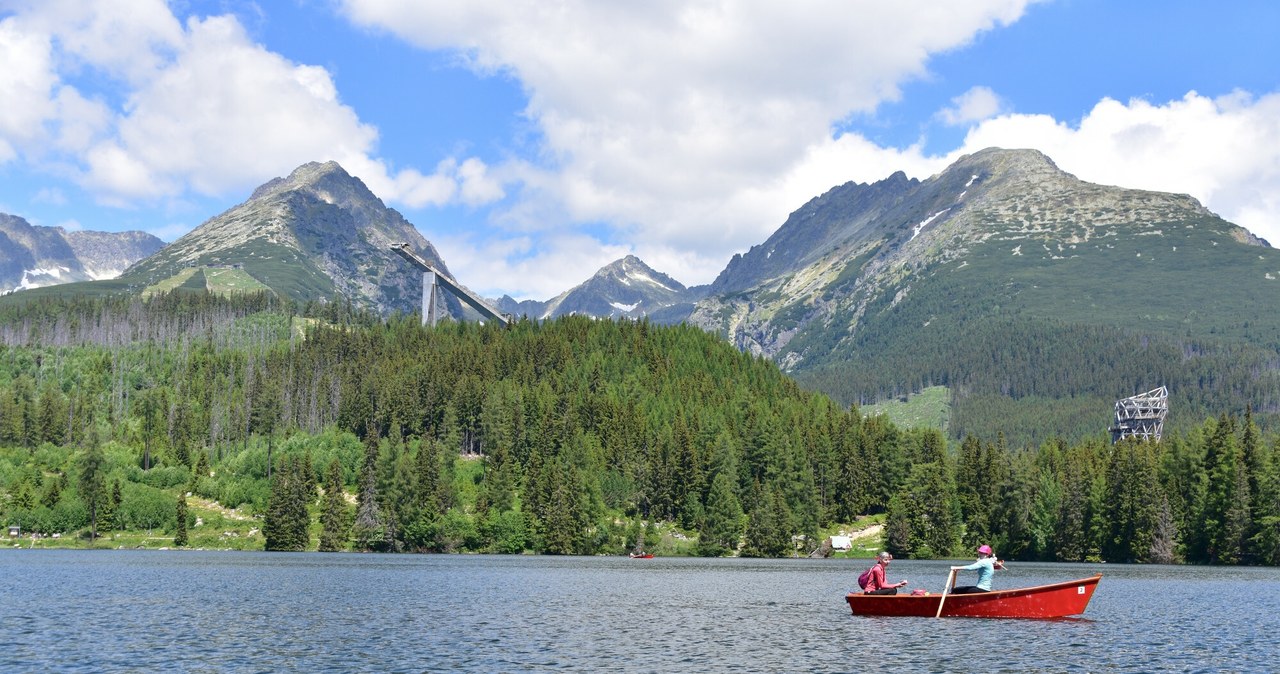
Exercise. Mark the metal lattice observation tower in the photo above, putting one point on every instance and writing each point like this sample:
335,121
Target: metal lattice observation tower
1141,416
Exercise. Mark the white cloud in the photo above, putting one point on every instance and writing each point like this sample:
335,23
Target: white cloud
687,130
127,39
478,185
205,109
686,125
1224,151
974,105
224,115
27,85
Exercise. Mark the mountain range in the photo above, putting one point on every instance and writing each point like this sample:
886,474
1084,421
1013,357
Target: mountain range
625,288
1034,297
1022,289
1007,223
33,256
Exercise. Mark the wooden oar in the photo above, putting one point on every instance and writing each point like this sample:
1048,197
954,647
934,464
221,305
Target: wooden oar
950,580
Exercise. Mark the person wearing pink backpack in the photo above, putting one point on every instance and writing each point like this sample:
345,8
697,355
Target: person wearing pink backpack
872,581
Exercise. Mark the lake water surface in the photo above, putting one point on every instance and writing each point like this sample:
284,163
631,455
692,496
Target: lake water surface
111,611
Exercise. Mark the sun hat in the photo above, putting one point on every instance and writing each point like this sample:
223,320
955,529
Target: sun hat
984,549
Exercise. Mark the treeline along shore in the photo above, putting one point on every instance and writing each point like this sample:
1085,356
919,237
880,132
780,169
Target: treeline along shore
251,422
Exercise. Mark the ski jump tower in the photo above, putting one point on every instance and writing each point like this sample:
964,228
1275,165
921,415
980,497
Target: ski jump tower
1141,416
432,278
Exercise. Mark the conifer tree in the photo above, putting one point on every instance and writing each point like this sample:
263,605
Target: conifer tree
567,519
52,492
1046,506
1096,514
180,533
199,470
1266,542
286,523
899,526
1225,515
1133,502
1012,514
926,521
369,526
767,534
976,480
264,416
1164,540
25,395
149,409
336,526
93,484
1254,463
115,500
11,431
722,525
427,480
51,415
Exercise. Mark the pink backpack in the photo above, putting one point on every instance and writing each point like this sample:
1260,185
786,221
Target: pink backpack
865,578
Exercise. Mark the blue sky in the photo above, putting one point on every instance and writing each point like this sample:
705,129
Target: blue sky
534,142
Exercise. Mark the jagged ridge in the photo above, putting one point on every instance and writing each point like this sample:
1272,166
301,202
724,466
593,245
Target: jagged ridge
33,256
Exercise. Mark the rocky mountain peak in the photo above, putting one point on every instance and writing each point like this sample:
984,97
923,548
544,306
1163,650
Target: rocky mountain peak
317,176
625,287
858,245
33,256
332,232
631,269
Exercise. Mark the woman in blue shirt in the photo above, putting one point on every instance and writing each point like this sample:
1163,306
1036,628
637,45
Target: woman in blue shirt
985,566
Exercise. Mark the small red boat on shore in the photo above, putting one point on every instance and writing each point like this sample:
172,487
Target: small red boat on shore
1043,601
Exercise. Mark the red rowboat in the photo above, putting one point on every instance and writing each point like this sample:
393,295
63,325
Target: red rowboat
1043,601
642,555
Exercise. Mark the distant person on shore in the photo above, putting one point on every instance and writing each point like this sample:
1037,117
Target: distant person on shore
985,566
876,583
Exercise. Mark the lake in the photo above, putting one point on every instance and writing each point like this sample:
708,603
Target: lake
193,611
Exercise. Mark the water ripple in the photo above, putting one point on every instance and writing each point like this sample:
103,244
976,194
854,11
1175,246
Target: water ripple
130,611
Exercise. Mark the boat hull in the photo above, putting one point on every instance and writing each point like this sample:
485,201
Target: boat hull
1058,600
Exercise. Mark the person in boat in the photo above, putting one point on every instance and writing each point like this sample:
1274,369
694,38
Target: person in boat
985,566
876,583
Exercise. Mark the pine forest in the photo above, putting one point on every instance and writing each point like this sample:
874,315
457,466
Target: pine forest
248,422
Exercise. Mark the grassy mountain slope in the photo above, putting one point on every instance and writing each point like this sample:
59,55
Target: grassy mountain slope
1004,277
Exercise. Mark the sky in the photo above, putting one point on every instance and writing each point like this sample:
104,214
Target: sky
535,141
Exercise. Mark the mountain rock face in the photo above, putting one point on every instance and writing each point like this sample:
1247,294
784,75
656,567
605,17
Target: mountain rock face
314,235
625,288
1006,226
33,256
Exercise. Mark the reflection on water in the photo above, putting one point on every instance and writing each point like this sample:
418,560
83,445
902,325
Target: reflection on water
234,611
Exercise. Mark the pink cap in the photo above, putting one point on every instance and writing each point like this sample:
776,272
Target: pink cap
984,549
